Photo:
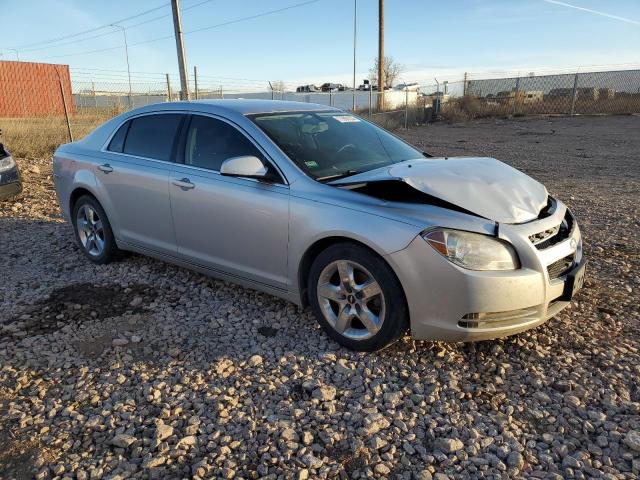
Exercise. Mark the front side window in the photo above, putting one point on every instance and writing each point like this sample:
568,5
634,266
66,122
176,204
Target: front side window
152,136
210,142
333,144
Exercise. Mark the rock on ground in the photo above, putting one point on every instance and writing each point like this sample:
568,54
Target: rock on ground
140,369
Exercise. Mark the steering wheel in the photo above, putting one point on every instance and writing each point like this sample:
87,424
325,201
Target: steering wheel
344,147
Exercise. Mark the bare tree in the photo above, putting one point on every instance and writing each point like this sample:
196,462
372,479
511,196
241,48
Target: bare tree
278,86
392,71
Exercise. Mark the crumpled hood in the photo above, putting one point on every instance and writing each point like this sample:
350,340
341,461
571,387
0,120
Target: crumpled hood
483,186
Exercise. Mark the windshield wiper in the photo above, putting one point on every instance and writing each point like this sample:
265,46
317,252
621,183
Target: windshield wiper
348,173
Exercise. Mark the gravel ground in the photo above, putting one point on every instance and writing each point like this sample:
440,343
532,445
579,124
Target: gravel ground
141,369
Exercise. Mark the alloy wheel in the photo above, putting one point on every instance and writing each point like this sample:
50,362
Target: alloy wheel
90,230
351,299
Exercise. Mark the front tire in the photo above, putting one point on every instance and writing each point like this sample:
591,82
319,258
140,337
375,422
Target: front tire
357,298
93,231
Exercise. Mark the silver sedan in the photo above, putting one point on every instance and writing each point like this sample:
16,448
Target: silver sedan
322,208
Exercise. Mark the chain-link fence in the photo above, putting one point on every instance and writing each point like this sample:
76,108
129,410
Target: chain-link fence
613,92
31,107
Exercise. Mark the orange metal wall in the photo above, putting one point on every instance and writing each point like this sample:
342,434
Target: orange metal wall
30,89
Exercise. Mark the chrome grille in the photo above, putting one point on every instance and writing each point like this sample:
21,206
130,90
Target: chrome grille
560,267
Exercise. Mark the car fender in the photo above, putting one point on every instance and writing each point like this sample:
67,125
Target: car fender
312,222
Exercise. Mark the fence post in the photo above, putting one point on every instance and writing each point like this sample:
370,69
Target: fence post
195,80
64,105
221,94
464,86
370,99
330,97
168,88
406,107
574,94
93,93
515,96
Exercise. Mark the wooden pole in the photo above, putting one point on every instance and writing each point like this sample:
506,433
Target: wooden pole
64,105
381,79
168,89
355,26
195,81
182,61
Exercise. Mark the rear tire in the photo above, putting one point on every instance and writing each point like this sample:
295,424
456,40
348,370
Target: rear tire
93,231
357,298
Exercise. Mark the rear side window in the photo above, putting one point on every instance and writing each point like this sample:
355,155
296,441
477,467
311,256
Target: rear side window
117,142
152,136
210,142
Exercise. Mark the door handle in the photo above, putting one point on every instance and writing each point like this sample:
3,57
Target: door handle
183,183
106,168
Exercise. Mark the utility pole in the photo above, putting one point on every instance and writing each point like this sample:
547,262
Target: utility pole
355,23
381,79
182,61
126,51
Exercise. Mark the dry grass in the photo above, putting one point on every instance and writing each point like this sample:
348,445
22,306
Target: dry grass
396,119
469,108
39,137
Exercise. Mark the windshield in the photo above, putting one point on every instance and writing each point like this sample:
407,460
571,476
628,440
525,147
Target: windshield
333,144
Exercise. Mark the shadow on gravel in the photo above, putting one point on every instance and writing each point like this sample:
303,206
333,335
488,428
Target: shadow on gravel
76,303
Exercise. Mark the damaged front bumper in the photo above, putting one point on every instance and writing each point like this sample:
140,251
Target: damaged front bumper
450,303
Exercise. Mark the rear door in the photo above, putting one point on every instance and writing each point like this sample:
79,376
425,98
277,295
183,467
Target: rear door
135,177
239,226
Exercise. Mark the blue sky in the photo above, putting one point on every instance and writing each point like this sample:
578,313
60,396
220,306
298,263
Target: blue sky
313,43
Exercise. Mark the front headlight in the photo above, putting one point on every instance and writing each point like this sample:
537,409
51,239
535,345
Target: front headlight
473,250
7,163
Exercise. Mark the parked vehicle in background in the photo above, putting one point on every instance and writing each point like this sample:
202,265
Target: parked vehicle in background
10,180
411,87
332,87
307,88
365,86
322,208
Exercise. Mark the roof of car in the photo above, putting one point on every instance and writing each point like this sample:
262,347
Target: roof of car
242,106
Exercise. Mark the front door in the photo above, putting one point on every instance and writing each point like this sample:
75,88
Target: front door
238,226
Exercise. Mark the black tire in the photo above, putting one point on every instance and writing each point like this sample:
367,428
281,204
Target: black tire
110,249
396,313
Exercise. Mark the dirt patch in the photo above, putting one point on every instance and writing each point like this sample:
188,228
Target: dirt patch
19,459
350,459
76,303
268,332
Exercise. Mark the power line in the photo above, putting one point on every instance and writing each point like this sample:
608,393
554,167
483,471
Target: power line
154,19
73,35
166,37
251,17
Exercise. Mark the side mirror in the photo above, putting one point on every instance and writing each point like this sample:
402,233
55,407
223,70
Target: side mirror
245,166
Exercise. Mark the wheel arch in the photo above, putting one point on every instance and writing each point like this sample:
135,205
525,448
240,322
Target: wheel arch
81,190
78,192
320,245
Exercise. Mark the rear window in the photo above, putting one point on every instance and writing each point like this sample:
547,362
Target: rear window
152,136
117,142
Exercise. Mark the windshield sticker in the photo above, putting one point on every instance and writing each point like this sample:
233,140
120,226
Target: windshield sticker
311,164
346,119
